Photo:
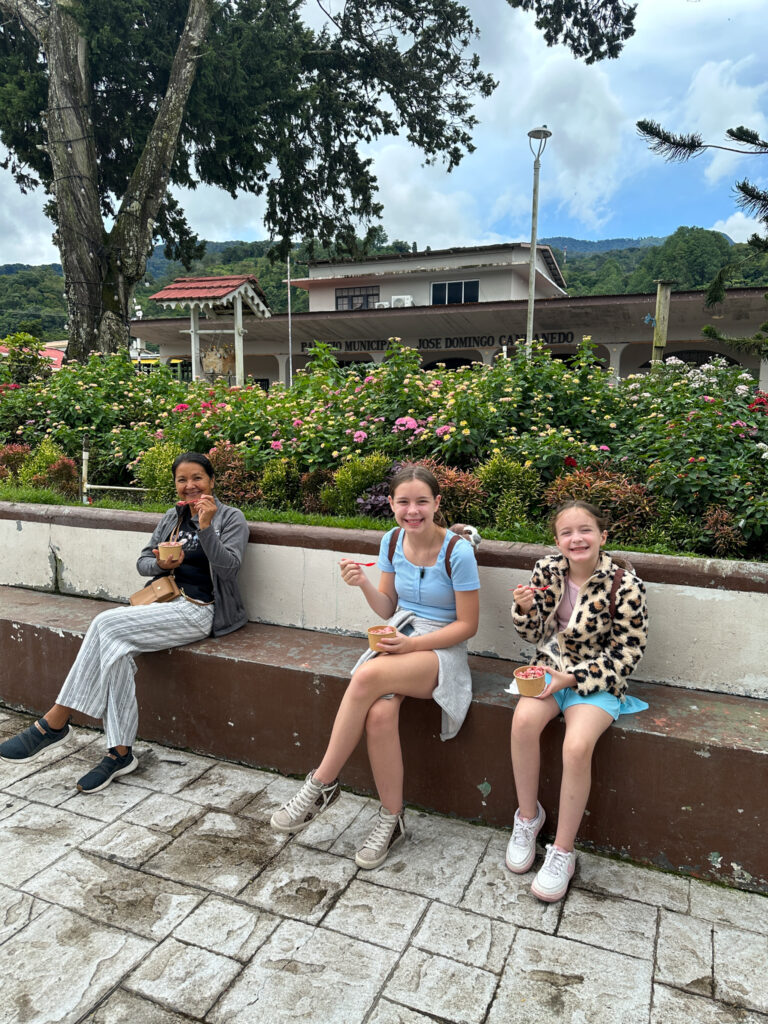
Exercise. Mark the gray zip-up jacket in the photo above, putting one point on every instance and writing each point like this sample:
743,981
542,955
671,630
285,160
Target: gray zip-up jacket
224,543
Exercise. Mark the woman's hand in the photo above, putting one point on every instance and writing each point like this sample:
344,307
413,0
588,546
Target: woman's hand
352,574
558,681
523,596
397,644
205,509
166,564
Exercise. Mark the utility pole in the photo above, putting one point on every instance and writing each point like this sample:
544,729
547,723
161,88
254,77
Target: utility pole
661,325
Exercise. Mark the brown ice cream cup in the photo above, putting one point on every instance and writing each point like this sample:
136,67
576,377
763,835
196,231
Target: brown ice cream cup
532,685
376,633
169,549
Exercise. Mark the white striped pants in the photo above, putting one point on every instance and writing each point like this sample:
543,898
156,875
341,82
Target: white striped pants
101,684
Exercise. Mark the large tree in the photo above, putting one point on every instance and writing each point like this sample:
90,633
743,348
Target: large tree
750,197
105,103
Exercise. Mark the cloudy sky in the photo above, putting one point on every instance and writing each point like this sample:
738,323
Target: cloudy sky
693,65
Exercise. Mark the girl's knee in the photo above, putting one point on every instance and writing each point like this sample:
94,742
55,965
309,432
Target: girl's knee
382,717
525,720
577,750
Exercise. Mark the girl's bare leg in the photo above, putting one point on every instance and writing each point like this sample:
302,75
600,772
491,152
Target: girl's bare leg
410,675
584,725
58,716
528,722
385,753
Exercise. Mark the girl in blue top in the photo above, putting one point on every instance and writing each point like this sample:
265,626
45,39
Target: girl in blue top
435,613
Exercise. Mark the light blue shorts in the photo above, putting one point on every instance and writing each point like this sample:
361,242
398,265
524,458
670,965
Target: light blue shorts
570,697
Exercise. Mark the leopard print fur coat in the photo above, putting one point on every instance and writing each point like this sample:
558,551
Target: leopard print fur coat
600,651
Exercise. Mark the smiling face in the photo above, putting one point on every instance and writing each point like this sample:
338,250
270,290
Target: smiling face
414,506
579,538
192,482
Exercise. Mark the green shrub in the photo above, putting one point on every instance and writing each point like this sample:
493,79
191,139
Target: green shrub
630,506
511,513
501,476
351,481
280,484
61,476
12,458
311,485
39,461
463,499
153,471
24,360
235,483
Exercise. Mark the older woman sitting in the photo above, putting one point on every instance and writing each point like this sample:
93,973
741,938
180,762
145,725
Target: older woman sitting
212,541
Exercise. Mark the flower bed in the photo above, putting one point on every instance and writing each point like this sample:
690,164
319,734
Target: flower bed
679,455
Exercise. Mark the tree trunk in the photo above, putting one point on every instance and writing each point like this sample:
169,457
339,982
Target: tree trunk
102,269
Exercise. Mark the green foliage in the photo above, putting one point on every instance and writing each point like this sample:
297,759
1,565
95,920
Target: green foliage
628,503
153,471
235,483
32,301
24,360
280,484
501,476
34,470
351,481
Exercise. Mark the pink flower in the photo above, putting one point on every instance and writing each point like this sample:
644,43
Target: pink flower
707,398
298,423
181,407
604,448
359,437
442,430
369,380
406,423
277,445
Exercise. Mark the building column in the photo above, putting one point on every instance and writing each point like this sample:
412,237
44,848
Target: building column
614,353
194,337
239,361
763,378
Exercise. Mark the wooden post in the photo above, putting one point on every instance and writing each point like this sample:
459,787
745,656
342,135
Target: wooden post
661,326
84,474
194,334
239,362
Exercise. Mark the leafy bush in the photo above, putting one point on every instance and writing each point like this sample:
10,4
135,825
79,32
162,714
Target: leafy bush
311,485
235,484
503,478
24,360
351,481
280,484
61,476
153,471
39,461
511,513
463,499
628,504
724,536
13,456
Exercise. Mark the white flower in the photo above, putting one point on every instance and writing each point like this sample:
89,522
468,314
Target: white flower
742,389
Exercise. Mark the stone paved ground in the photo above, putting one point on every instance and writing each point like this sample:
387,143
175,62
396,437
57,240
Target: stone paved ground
167,898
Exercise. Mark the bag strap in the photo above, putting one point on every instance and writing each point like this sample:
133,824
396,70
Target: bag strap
618,576
451,545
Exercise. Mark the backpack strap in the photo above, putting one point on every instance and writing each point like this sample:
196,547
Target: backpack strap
393,541
618,576
448,550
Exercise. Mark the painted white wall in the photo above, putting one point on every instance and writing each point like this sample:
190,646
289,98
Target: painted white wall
699,638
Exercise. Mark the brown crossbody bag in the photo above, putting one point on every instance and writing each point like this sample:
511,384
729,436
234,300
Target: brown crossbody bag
164,588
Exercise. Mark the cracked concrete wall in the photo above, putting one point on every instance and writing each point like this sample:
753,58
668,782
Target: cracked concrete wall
710,639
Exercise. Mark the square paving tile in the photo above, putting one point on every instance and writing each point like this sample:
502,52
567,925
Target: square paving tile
10,804
469,938
55,784
615,878
36,836
109,804
495,892
747,910
443,988
229,928
165,813
673,1007
182,977
118,896
309,975
376,914
220,852
437,859
552,979
684,953
126,1008
61,965
126,843
225,787
165,770
621,925
300,883
740,968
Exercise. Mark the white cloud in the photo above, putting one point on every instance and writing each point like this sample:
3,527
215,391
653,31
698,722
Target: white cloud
739,227
25,231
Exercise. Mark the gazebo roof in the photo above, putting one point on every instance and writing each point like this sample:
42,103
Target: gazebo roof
214,291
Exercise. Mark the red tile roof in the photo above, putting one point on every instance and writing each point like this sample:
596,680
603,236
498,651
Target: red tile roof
218,287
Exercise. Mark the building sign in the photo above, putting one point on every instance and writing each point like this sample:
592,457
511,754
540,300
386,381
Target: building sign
476,341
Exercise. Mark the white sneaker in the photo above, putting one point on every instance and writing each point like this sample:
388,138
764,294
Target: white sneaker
521,848
388,831
554,876
301,810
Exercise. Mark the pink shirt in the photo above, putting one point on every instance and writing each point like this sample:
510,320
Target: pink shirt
567,604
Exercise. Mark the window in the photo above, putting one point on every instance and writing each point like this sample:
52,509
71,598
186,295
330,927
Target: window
364,297
454,293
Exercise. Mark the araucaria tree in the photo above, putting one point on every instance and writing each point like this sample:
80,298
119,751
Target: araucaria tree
105,103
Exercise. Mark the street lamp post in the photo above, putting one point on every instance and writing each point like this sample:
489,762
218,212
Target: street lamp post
539,136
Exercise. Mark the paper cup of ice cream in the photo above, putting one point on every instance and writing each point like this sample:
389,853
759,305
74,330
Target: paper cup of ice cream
530,680
376,633
169,550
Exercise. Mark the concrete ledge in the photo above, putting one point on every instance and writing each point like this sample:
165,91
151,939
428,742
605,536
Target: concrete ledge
681,786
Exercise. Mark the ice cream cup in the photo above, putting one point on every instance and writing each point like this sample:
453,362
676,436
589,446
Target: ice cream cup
531,680
169,550
376,633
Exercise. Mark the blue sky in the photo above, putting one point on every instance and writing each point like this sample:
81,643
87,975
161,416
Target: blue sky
693,65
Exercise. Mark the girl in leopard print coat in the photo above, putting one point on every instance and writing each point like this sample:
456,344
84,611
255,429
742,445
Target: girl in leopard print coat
588,620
